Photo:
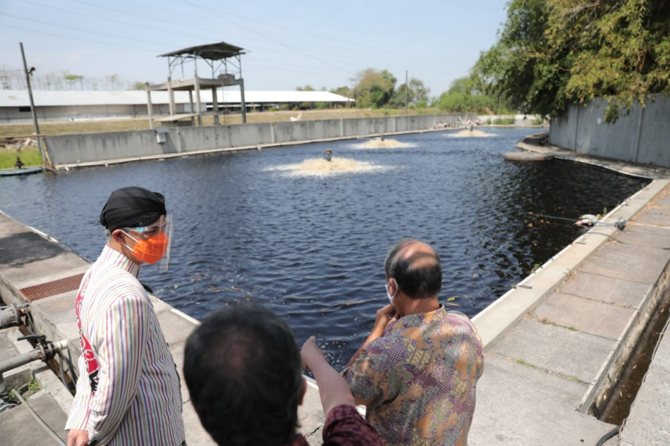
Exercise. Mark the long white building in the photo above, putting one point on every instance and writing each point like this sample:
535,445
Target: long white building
90,105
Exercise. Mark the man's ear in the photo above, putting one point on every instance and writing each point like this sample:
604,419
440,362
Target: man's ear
117,236
304,391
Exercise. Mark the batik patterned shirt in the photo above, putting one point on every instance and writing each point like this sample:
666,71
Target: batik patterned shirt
137,400
344,426
418,380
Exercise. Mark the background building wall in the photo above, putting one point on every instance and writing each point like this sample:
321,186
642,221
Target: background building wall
641,137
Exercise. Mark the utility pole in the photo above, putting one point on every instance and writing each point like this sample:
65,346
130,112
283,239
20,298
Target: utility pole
32,103
406,93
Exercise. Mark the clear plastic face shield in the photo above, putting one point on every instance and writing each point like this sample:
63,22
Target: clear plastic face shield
152,244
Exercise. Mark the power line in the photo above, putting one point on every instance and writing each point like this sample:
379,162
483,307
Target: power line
107,19
327,38
83,30
80,40
269,38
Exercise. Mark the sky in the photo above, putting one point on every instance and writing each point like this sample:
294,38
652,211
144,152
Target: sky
289,43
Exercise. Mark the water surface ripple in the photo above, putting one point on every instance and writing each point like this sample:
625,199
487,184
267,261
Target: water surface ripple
311,246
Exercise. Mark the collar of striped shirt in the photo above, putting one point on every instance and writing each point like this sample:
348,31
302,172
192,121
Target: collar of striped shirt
117,258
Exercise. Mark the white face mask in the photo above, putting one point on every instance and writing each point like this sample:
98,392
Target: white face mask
386,285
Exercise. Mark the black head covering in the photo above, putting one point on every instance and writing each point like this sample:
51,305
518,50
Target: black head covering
132,207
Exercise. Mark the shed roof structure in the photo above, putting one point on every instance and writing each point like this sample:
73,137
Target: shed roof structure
225,63
212,51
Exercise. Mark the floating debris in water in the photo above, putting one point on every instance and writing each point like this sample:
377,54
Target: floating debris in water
322,167
470,134
382,144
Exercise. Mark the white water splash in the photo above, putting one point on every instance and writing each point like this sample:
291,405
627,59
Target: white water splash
470,134
321,167
379,144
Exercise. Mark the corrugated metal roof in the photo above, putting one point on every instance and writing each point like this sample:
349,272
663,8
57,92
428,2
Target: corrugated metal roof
212,51
19,98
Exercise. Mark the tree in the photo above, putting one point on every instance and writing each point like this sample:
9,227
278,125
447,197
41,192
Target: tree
464,96
417,94
342,91
554,53
71,79
136,86
374,88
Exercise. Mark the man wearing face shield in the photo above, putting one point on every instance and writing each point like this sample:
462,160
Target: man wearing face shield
416,372
128,388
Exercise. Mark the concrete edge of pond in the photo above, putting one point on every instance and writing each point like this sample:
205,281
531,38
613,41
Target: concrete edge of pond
69,166
531,143
498,318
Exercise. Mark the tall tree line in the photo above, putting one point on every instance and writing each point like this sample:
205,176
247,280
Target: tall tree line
13,79
555,53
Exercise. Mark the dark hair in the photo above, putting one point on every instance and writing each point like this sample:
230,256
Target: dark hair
244,373
419,276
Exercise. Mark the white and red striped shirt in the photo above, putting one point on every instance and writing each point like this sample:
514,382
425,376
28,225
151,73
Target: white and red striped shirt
137,400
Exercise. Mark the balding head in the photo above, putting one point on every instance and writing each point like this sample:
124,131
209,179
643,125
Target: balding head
416,268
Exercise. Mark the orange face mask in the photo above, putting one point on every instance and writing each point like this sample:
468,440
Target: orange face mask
150,250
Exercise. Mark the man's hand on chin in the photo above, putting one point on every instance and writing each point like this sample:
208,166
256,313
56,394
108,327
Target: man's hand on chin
76,437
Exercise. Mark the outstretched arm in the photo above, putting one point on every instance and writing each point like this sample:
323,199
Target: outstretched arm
333,389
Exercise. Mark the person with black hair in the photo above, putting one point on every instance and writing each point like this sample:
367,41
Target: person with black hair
243,371
416,372
128,387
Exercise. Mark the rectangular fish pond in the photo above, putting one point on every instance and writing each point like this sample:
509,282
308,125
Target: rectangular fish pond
308,238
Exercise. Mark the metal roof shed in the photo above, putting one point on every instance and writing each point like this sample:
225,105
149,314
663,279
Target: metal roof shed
222,57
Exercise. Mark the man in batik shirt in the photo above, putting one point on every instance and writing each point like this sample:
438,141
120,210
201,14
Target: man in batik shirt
416,372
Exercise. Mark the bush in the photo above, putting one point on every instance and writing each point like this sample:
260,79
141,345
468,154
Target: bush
503,121
465,103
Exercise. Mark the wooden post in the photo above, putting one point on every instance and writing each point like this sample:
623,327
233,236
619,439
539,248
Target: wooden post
190,101
215,107
149,106
243,104
171,96
32,103
406,93
197,98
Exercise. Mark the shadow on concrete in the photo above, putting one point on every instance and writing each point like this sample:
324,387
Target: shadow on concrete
26,247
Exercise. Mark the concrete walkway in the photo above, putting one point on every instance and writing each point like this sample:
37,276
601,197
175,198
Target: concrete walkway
556,344
37,269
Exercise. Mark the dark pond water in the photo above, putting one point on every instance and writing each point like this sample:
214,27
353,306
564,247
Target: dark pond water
312,247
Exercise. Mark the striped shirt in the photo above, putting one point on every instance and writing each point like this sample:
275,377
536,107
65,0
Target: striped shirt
137,400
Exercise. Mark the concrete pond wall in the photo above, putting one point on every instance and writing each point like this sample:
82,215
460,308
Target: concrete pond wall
640,137
97,147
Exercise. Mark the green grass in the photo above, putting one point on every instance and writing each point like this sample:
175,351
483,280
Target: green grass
577,380
546,321
29,158
526,363
503,121
34,386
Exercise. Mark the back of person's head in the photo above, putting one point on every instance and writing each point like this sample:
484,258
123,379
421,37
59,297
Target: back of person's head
244,373
416,267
